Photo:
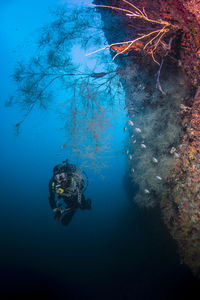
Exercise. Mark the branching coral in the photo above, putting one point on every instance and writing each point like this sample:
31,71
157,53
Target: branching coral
150,41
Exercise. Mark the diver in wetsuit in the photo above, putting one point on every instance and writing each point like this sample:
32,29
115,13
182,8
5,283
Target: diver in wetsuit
66,192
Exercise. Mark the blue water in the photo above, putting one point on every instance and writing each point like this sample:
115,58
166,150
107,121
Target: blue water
114,251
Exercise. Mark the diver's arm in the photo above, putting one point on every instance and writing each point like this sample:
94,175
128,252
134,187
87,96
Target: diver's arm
52,201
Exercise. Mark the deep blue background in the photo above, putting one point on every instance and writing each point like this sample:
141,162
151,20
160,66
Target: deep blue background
113,251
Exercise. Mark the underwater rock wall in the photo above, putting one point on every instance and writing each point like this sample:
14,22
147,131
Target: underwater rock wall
181,203
154,124
154,127
155,134
163,150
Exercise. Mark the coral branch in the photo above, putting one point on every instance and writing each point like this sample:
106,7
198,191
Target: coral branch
137,13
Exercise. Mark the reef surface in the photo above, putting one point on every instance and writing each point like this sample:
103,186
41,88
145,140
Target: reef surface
157,45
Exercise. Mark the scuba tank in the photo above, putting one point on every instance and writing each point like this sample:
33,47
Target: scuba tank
71,181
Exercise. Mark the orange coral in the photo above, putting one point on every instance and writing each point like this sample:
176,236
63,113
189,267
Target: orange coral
137,46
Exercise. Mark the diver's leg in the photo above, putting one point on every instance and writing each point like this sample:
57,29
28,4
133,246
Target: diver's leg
67,217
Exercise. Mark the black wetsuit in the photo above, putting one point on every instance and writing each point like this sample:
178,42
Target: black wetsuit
67,184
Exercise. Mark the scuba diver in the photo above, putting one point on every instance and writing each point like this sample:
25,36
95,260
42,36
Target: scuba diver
66,189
